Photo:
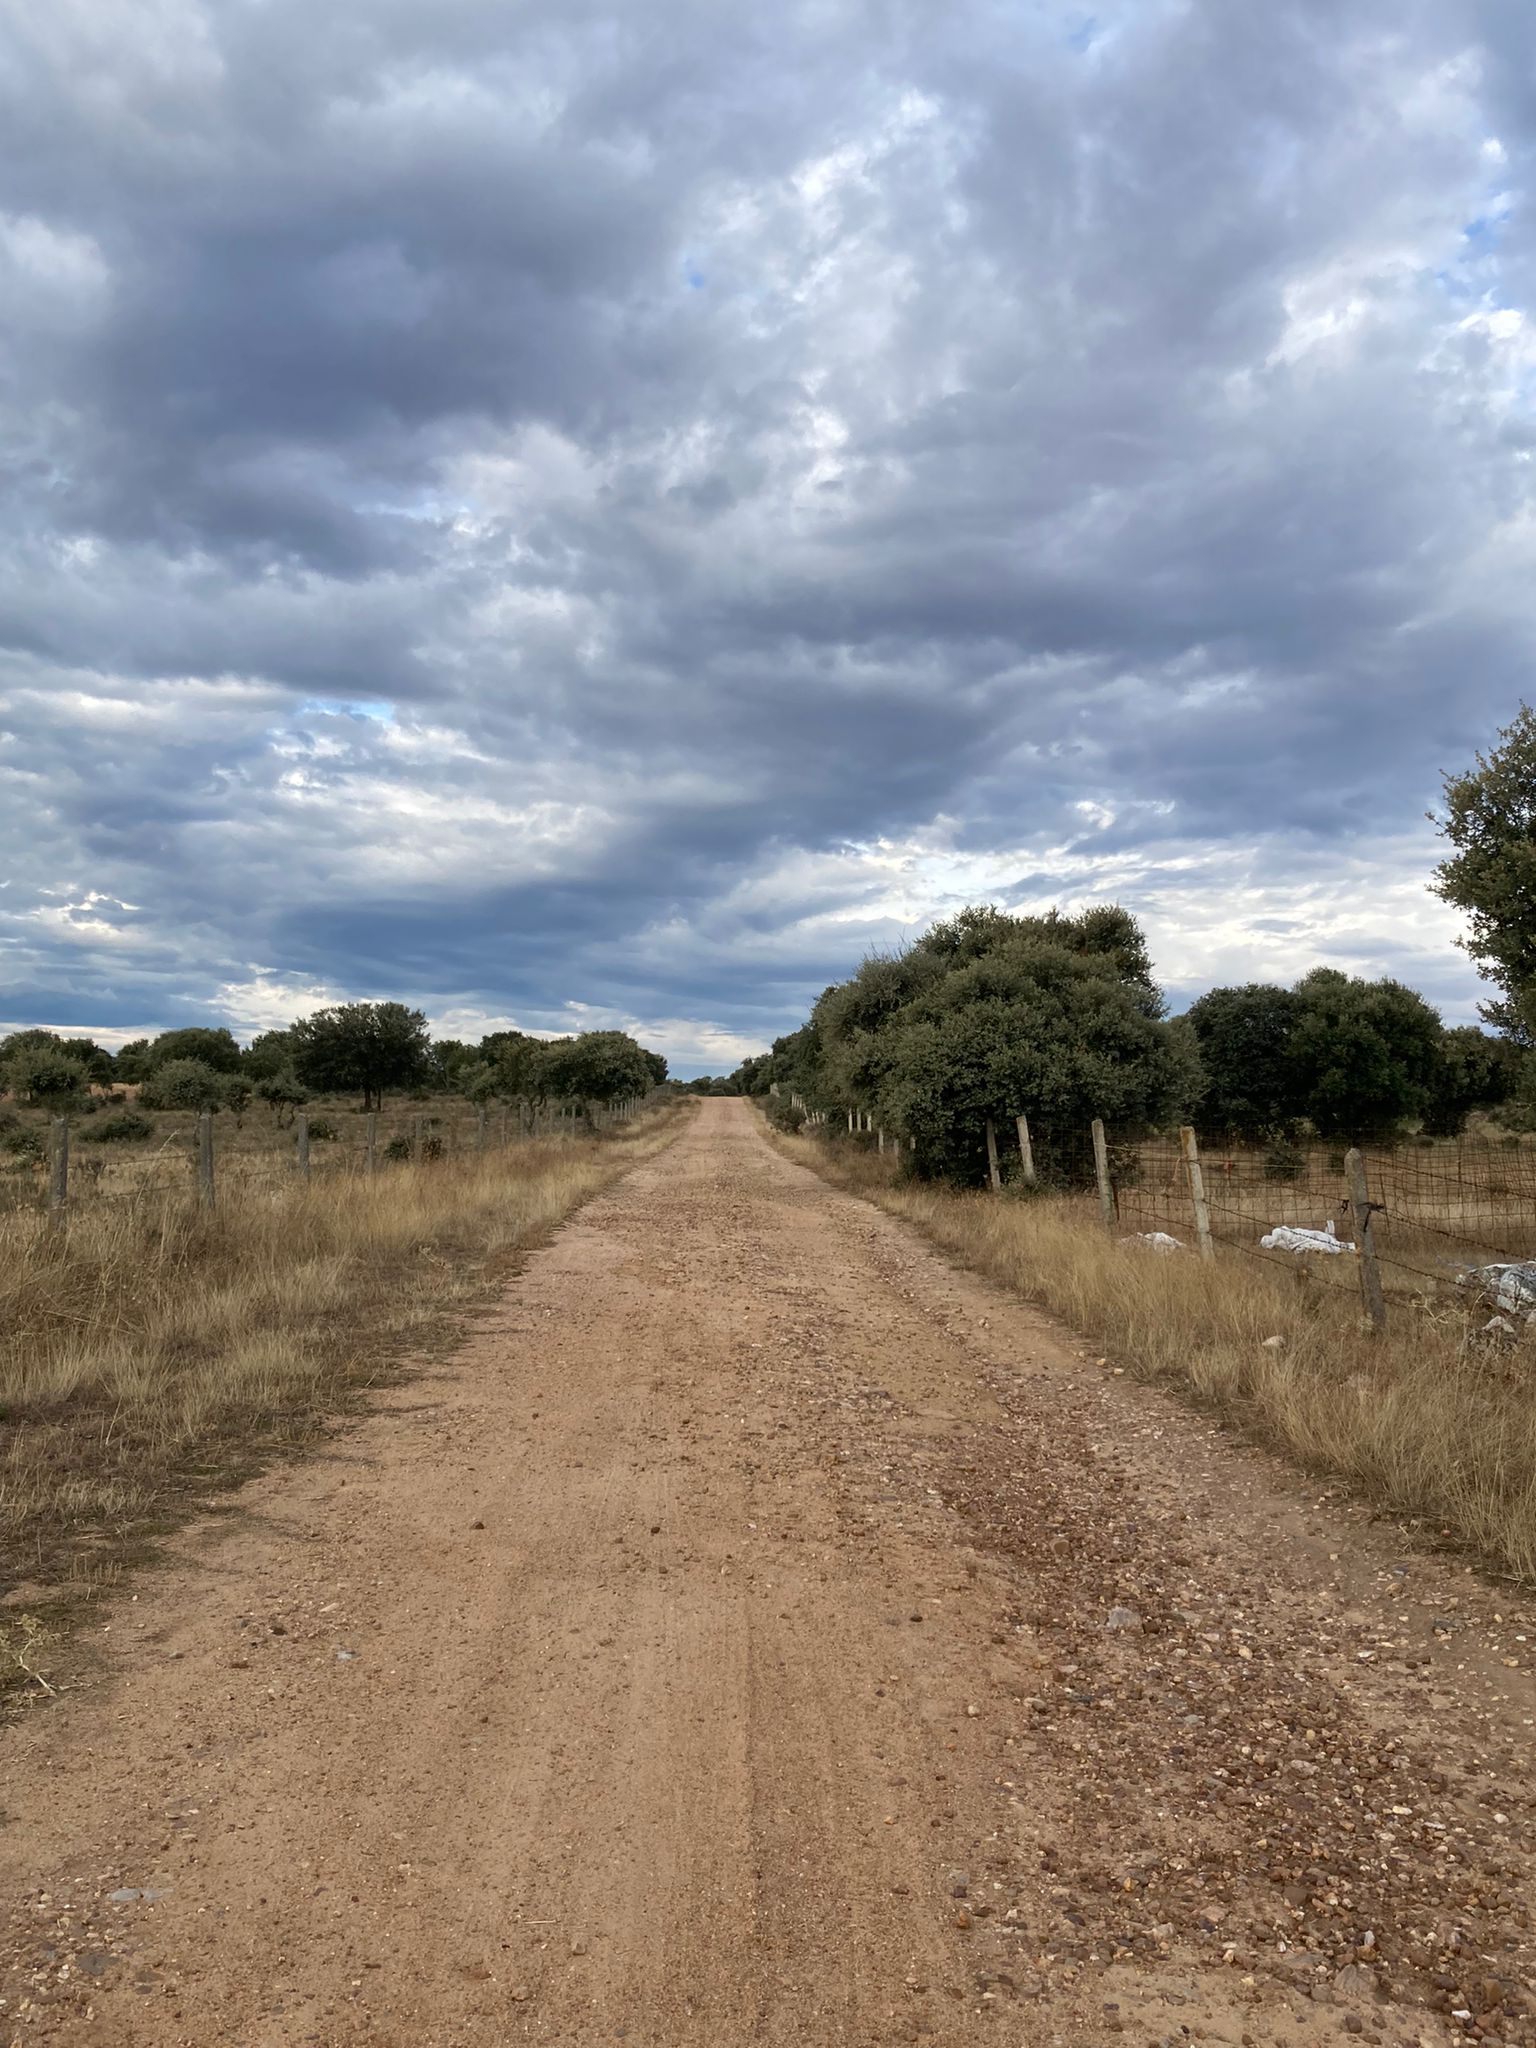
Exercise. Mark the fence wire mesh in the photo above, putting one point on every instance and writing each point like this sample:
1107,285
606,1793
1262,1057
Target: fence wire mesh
1443,1210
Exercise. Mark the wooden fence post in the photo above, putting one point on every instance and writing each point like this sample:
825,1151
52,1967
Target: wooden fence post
479,1126
880,1139
1361,1209
994,1174
1026,1150
1101,1169
301,1141
205,1159
416,1139
371,1140
1190,1147
850,1119
58,1170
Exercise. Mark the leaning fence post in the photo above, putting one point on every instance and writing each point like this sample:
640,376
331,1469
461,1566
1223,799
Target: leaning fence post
302,1144
58,1170
1190,1147
994,1176
1361,1209
1101,1170
205,1159
370,1141
1026,1150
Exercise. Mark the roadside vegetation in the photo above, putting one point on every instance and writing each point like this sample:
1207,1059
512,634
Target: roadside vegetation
1427,1421
153,1353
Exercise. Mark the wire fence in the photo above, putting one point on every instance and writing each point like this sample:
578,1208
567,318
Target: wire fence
1430,1220
1439,1214
210,1156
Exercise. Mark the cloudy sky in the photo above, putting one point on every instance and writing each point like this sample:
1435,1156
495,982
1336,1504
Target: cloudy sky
592,511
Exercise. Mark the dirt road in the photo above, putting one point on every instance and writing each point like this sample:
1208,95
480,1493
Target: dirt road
762,1633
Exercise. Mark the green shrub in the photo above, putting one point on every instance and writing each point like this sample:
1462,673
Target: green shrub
126,1129
398,1148
47,1075
321,1127
184,1084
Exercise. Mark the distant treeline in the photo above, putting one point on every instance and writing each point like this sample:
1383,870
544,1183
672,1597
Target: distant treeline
989,1015
366,1049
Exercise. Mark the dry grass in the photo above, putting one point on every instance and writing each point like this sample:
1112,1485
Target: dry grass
150,1353
1429,1420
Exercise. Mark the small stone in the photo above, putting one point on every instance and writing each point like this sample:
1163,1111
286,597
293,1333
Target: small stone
1353,2024
959,1884
962,1918
1355,1980
477,1525
1123,1618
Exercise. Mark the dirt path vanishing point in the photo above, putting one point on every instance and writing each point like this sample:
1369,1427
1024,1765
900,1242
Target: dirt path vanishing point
762,1633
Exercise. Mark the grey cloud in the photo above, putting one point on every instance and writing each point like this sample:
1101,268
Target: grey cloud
708,443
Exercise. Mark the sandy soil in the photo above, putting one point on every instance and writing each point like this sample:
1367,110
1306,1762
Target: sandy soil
760,1632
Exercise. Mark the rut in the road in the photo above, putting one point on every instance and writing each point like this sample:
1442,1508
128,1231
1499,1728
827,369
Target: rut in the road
716,1652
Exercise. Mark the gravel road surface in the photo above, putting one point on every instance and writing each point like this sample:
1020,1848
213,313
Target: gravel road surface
760,1632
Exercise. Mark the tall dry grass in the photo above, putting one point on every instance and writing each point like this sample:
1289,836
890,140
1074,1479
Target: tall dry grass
1430,1420
150,1352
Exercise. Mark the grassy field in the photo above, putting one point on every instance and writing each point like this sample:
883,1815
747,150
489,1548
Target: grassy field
1430,1420
151,1353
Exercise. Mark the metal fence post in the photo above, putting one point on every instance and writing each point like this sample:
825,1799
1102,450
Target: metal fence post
205,1159
1189,1146
1361,1209
1101,1170
58,1170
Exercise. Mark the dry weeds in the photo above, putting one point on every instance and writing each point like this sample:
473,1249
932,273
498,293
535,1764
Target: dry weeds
151,1353
1431,1420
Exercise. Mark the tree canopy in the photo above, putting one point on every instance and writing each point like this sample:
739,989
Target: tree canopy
1251,1085
366,1047
599,1066
1490,821
988,1014
214,1047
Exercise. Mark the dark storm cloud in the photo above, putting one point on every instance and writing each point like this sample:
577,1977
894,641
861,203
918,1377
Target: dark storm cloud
627,506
